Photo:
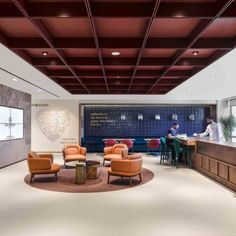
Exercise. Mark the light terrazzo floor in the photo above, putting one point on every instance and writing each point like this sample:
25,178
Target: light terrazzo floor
176,202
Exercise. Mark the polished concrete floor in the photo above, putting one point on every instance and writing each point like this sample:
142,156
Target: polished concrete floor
176,202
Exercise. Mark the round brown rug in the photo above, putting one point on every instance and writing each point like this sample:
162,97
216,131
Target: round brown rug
66,182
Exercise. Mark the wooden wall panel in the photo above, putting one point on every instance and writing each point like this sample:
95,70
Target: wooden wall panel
223,171
218,161
218,151
205,163
214,167
232,174
198,161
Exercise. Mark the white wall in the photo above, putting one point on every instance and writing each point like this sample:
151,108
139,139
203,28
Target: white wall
54,123
223,108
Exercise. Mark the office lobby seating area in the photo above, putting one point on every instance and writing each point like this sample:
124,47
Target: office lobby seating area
117,117
130,167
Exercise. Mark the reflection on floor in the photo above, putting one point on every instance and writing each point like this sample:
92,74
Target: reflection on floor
176,202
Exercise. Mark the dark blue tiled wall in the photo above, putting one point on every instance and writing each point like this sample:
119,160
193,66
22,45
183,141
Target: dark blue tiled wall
105,120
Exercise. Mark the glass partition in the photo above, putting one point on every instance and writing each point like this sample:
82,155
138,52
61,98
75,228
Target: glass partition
233,111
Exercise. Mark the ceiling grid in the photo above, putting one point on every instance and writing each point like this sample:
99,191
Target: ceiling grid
162,43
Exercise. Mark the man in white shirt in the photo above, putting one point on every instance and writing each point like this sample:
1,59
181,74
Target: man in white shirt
212,130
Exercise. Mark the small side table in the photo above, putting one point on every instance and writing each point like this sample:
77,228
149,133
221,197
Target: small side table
80,172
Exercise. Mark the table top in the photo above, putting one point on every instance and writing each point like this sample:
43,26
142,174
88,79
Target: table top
87,163
189,141
148,139
92,163
118,139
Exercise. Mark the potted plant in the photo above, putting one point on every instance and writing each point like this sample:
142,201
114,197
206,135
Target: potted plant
228,123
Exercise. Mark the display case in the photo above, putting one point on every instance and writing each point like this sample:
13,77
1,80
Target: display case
11,123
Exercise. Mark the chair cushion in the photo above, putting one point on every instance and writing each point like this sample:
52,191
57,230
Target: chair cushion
125,174
75,157
112,156
72,150
54,169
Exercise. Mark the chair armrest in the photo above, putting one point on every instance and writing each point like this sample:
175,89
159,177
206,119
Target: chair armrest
39,163
46,155
107,150
83,151
121,165
134,156
63,153
124,154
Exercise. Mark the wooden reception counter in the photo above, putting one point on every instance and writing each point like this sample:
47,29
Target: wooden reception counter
217,160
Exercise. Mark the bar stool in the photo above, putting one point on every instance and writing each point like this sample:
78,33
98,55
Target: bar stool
165,150
185,152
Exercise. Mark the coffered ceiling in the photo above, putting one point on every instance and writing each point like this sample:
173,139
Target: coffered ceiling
160,43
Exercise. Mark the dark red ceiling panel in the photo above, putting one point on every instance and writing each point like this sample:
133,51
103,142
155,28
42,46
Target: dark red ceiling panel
160,43
173,28
71,27
120,27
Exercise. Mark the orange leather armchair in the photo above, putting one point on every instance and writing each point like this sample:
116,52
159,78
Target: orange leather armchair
114,152
74,152
41,164
129,167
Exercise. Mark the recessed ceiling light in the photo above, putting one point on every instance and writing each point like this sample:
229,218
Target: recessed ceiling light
64,14
15,79
195,53
45,53
115,53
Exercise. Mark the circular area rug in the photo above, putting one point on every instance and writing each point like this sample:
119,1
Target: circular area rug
66,182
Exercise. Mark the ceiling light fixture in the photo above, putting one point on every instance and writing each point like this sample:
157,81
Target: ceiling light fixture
115,53
39,90
45,53
195,53
15,79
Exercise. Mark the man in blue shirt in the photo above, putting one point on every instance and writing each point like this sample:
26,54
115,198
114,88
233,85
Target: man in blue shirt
171,134
172,131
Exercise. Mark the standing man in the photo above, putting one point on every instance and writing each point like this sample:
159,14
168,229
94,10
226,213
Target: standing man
212,130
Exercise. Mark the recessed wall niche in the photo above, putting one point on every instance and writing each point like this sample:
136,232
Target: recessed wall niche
108,123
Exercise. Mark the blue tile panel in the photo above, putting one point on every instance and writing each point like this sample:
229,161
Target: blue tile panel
105,120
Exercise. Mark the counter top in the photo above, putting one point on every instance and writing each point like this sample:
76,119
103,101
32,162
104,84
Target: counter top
205,140
228,144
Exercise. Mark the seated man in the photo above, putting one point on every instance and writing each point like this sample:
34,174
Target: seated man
171,134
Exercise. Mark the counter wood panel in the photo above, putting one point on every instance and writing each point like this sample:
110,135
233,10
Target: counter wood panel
218,151
218,161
